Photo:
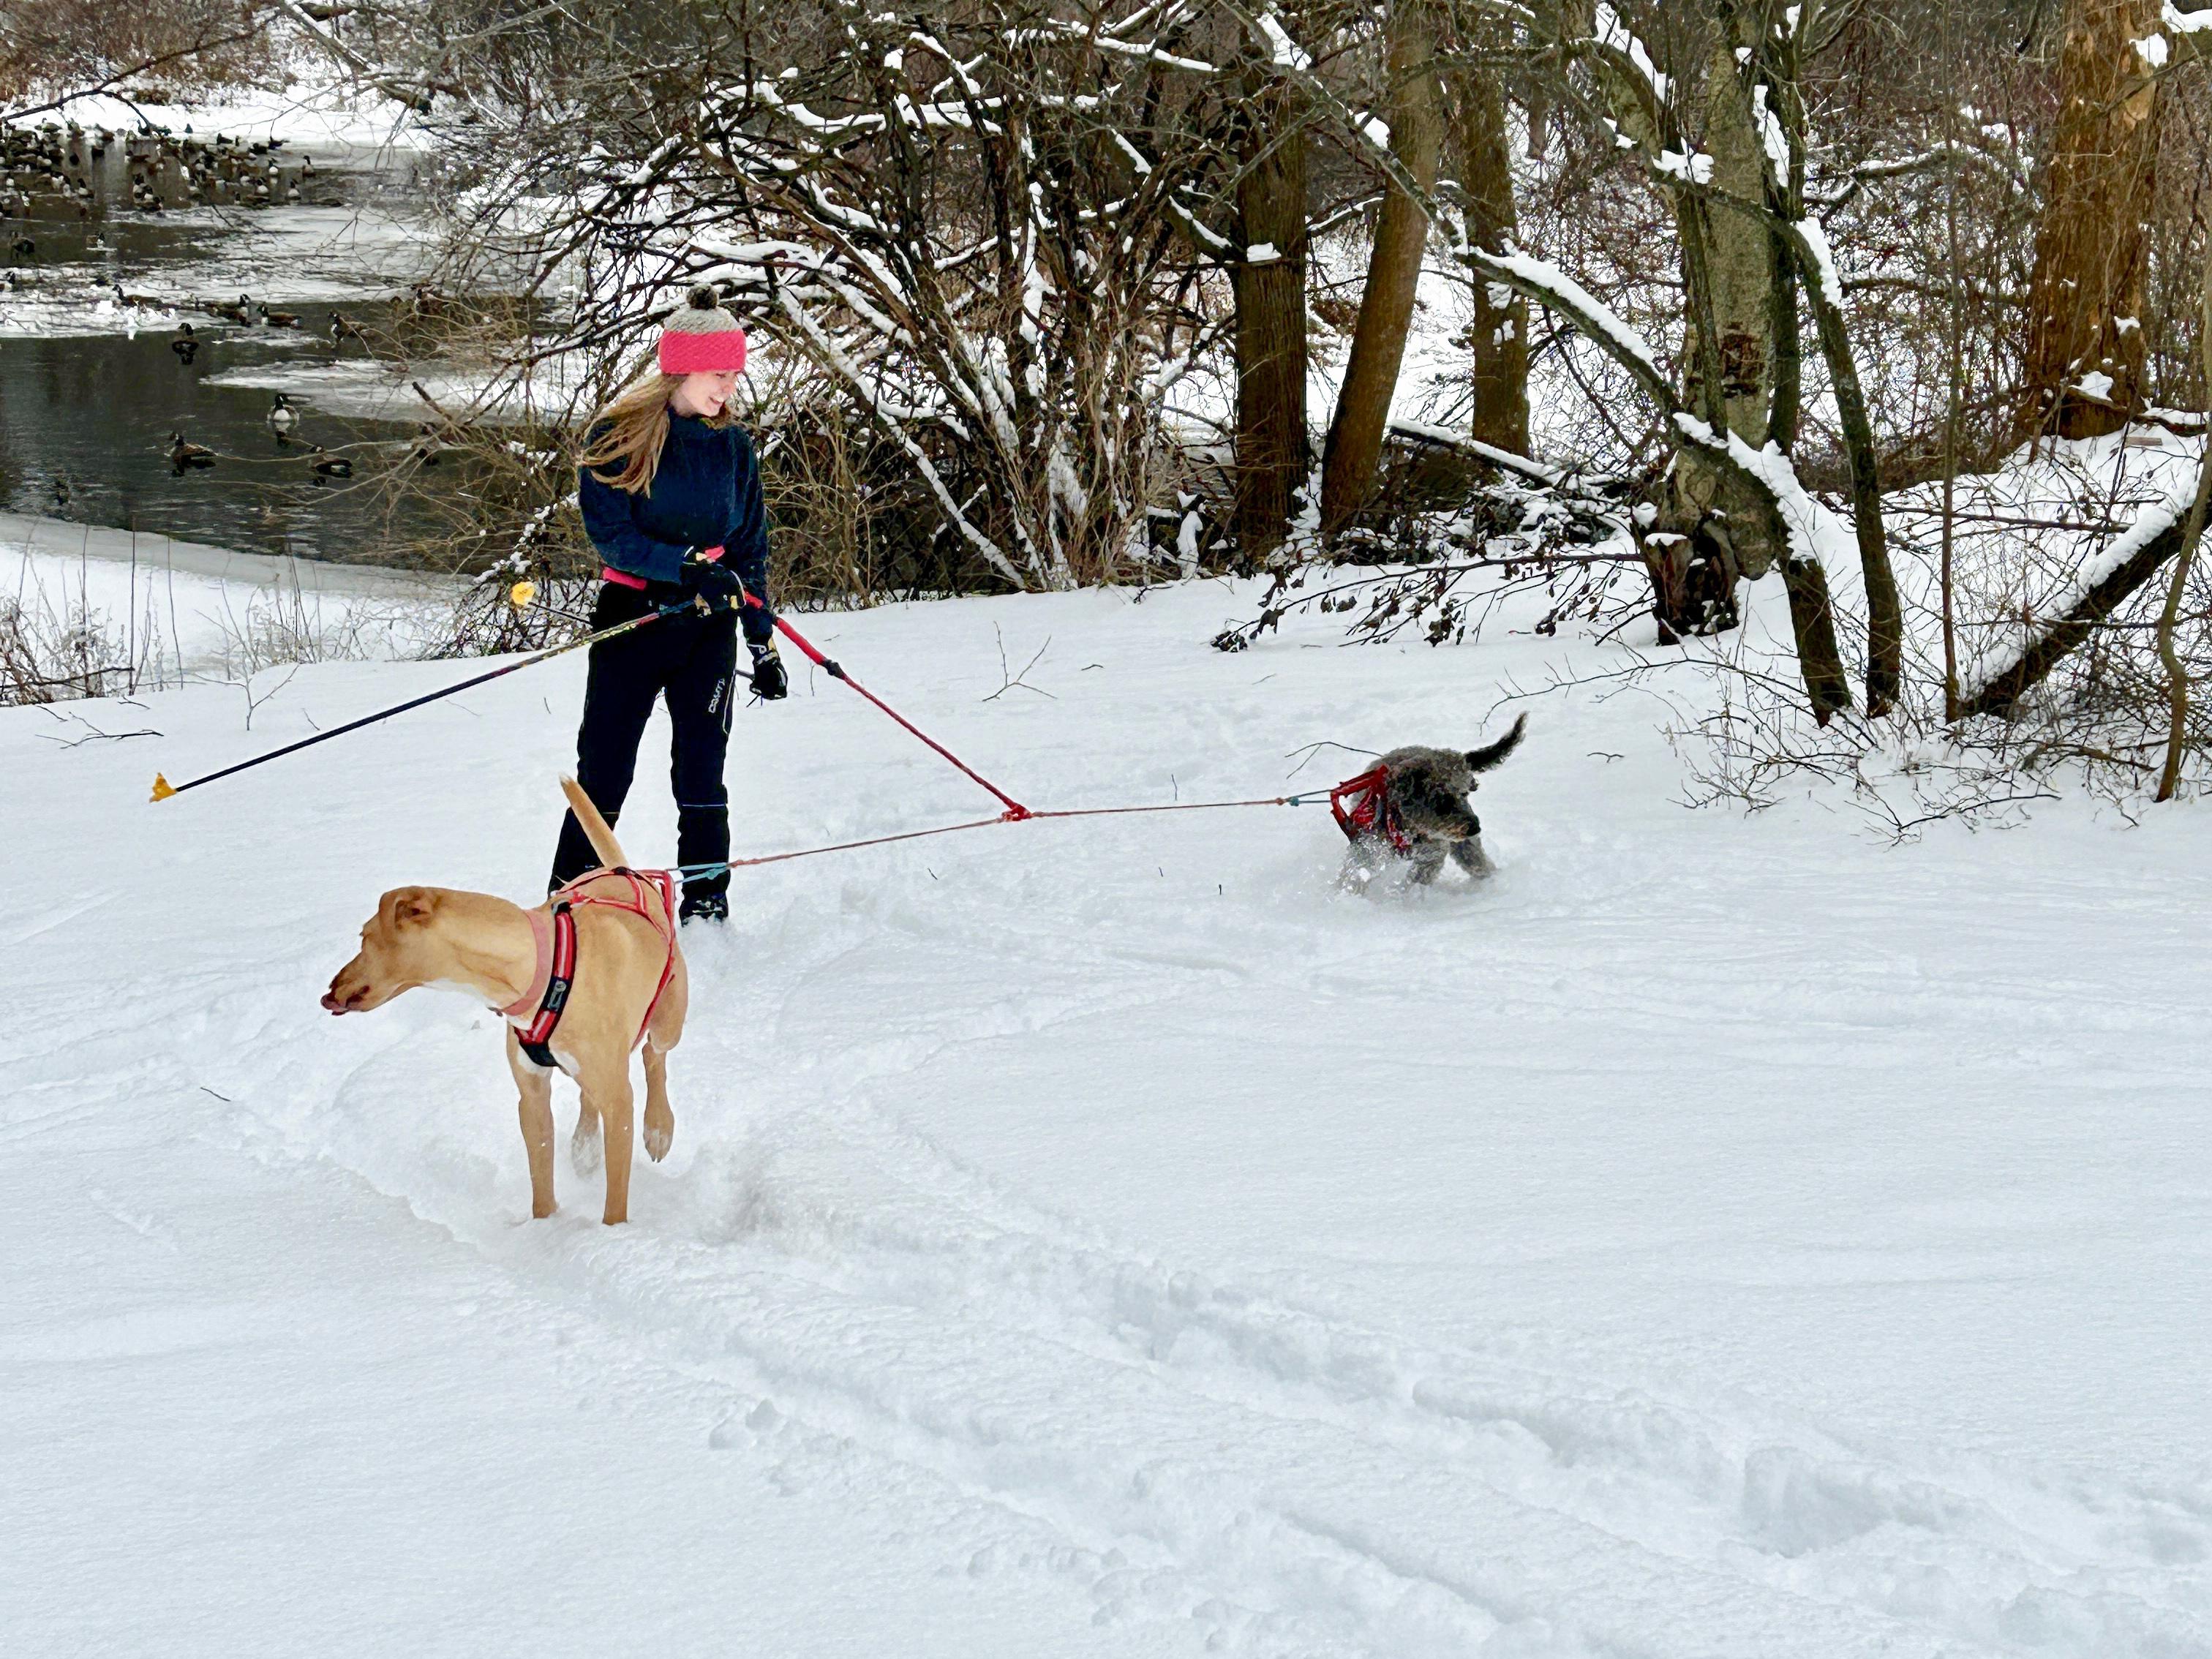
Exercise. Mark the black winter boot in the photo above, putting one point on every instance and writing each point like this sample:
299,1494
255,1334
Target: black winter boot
705,907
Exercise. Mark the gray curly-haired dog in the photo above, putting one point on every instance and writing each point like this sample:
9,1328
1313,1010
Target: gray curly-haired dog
1426,798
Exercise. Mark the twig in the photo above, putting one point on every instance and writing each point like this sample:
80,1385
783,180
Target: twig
1011,682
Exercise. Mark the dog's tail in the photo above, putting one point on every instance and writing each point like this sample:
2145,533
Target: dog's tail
1481,760
595,827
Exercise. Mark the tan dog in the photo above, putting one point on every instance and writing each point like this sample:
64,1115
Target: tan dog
491,949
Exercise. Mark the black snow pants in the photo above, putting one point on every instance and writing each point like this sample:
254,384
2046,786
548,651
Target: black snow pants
690,659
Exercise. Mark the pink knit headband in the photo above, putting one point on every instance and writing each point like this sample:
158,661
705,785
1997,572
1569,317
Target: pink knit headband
685,352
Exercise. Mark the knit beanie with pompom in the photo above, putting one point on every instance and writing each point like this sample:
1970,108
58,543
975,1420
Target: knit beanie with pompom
702,338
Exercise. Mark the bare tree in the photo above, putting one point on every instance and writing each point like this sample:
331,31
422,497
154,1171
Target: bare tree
1497,335
1394,272
1268,275
2177,676
2085,337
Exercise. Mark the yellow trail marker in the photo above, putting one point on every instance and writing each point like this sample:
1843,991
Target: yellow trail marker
521,595
163,787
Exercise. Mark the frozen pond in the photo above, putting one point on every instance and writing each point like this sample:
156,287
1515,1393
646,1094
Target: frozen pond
95,391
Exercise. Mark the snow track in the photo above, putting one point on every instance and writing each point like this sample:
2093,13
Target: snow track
1261,1270
1201,1450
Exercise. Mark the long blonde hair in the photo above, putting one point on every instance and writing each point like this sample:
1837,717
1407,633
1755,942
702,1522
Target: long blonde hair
628,435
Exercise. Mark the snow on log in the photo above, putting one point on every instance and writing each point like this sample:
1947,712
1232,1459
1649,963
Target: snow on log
1282,50
2096,590
1445,438
1610,31
1816,240
1547,284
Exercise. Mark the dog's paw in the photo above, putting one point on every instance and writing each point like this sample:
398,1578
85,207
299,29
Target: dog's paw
584,1146
659,1132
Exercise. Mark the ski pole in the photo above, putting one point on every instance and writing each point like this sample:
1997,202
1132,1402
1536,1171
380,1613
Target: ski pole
519,596
1015,812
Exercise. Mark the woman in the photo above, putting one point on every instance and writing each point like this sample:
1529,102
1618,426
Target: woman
670,496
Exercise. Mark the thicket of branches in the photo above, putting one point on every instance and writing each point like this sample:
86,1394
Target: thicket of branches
54,51
1747,288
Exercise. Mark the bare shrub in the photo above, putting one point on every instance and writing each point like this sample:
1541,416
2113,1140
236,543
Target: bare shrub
51,49
50,657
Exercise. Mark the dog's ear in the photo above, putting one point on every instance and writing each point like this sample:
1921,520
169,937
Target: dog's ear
410,907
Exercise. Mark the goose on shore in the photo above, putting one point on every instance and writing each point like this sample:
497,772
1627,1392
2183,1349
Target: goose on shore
279,319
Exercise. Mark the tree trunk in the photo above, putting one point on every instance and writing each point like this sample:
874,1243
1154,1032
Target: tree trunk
1500,331
1787,408
1730,257
1885,672
1394,273
1269,278
2084,342
1799,243
2177,676
1741,256
1813,620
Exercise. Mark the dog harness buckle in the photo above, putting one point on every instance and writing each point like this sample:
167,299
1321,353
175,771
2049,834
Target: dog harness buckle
560,964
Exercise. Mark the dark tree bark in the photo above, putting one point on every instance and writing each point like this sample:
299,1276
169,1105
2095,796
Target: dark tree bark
1386,310
1813,620
2177,674
2086,298
1500,331
1884,670
1271,323
1797,259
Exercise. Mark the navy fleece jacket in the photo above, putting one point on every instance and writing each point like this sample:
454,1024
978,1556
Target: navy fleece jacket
706,493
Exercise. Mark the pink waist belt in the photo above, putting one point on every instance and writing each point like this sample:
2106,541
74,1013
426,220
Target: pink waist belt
623,579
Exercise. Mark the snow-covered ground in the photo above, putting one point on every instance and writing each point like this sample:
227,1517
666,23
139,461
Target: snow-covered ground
184,610
1717,1236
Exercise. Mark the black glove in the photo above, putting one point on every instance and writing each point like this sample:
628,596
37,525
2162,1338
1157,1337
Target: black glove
768,681
717,584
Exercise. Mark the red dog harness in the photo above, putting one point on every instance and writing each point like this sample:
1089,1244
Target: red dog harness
554,935
1362,807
